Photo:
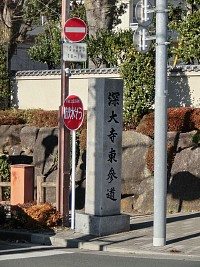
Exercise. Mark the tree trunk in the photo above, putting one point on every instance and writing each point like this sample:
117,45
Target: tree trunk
11,14
99,14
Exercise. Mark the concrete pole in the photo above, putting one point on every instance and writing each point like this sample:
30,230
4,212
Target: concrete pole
63,181
160,134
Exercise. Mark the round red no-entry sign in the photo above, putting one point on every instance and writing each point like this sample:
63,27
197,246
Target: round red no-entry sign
75,29
73,112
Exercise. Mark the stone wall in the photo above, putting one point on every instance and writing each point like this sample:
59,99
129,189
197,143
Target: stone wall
183,191
38,146
32,145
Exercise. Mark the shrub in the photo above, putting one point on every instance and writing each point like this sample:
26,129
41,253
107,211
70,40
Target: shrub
31,117
5,175
195,118
4,79
43,214
179,120
34,217
196,138
138,73
43,118
146,125
10,117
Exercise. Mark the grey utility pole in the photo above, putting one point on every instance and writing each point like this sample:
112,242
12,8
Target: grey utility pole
63,179
160,134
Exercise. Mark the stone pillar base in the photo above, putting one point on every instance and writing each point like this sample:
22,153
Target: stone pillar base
101,225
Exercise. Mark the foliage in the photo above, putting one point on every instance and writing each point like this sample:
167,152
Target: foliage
10,117
146,125
185,20
109,48
33,217
17,18
47,48
5,175
119,10
179,120
196,138
31,117
43,215
45,118
103,48
4,77
78,10
138,72
195,118
34,9
4,168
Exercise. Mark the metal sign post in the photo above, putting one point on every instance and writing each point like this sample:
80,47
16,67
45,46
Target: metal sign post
73,179
75,30
62,185
73,113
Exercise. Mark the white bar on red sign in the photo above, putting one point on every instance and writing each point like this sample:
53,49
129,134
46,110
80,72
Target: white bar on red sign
74,29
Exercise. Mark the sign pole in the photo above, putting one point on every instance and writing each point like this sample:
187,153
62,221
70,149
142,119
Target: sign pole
73,179
63,179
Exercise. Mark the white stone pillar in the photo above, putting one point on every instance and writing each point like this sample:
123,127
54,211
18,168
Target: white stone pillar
103,165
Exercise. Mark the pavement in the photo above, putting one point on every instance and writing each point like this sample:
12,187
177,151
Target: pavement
182,239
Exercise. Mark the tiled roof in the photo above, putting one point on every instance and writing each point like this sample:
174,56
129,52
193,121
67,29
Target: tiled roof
99,71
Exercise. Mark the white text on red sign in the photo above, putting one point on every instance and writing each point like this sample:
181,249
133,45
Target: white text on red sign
74,113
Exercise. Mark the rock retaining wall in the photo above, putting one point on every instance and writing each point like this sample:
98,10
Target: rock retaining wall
38,146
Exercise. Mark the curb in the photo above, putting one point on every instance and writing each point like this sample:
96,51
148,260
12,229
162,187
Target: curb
81,243
39,239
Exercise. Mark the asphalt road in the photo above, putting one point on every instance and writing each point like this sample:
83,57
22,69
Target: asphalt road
29,255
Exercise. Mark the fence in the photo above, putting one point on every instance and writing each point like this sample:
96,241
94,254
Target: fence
3,184
41,185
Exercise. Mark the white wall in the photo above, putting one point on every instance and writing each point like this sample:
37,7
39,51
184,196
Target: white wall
43,89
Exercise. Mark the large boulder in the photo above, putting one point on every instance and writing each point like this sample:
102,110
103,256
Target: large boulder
28,136
46,147
9,136
142,201
134,170
183,193
184,184
185,140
